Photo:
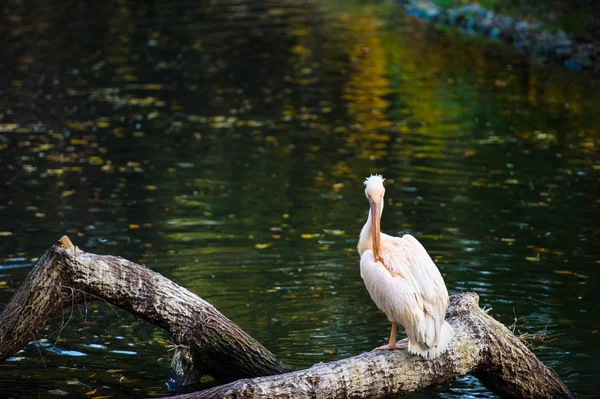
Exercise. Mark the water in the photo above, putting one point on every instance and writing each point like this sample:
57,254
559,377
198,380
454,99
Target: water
223,144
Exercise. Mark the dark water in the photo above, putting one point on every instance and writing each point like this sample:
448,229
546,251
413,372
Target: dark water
223,144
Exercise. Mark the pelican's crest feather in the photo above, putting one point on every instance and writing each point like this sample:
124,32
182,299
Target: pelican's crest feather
374,180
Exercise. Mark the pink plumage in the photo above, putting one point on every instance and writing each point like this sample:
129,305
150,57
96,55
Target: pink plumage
403,282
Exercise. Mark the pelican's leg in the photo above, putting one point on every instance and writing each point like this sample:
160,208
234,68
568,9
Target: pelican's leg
392,342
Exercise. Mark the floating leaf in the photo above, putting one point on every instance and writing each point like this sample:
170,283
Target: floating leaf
75,141
301,50
55,172
93,391
5,233
134,226
206,378
96,160
563,272
263,246
533,258
451,229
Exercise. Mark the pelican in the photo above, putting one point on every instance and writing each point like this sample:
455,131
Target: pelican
404,282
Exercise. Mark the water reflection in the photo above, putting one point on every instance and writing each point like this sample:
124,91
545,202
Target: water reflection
224,145
366,88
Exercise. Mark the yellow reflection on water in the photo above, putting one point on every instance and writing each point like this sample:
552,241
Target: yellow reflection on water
367,86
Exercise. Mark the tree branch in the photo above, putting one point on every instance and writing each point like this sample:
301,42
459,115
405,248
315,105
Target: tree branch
66,276
481,346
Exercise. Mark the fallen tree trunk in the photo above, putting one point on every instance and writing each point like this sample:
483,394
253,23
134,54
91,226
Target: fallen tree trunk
209,343
481,346
206,340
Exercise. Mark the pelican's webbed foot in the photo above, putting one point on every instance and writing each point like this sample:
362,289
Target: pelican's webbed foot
389,347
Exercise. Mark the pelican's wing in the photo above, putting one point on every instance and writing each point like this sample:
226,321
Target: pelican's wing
431,284
395,295
407,258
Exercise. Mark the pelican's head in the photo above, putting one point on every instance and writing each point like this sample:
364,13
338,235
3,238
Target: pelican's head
375,191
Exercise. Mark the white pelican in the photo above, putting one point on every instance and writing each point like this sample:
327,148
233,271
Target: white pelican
404,282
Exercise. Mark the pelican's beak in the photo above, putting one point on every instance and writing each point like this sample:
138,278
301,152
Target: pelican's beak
375,228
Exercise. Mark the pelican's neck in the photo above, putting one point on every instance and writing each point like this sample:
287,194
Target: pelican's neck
365,240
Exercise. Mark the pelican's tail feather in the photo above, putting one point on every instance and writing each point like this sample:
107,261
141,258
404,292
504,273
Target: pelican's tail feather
445,337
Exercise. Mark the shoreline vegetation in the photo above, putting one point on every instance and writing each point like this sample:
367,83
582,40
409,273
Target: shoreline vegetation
574,51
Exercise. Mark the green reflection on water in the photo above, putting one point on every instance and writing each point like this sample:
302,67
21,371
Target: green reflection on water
224,146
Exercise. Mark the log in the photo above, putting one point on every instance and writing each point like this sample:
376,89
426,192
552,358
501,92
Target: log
481,346
209,343
206,340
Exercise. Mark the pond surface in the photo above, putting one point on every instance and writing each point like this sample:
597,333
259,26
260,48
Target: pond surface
224,145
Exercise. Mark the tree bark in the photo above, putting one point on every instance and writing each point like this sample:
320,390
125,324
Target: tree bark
206,340
481,346
209,343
